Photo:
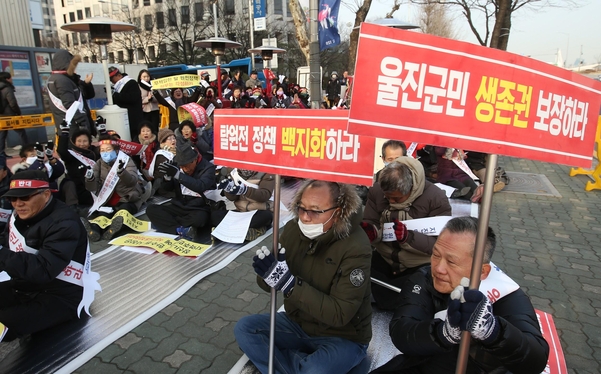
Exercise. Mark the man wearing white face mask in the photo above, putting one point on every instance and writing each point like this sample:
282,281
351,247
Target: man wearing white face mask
323,270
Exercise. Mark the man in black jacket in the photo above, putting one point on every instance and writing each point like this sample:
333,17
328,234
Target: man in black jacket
127,96
45,253
427,325
190,176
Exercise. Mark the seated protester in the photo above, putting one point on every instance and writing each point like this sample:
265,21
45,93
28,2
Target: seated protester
391,150
177,99
427,325
477,163
452,175
46,237
147,138
252,194
129,193
323,272
401,194
77,152
238,100
5,206
189,176
200,137
280,100
166,152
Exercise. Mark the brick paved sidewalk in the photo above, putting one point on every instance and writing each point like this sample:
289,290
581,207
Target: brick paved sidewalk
549,245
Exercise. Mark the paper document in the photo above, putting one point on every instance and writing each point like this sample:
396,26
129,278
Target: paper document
234,226
431,226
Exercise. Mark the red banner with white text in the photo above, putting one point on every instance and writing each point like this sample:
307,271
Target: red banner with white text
295,142
433,90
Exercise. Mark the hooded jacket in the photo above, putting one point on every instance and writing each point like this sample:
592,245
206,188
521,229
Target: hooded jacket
519,349
62,85
8,101
425,200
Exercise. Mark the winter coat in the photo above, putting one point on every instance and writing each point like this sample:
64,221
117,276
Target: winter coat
152,145
333,89
447,170
425,200
8,101
254,198
148,105
332,293
280,102
4,202
129,188
241,102
59,236
519,349
66,89
75,173
129,98
201,180
202,141
252,83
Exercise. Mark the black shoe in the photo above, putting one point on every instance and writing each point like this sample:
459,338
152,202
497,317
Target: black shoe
93,234
460,193
113,229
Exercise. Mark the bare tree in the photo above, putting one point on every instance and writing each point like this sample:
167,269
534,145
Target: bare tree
495,12
360,15
434,19
300,24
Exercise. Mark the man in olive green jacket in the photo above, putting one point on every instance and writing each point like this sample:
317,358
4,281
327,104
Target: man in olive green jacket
323,270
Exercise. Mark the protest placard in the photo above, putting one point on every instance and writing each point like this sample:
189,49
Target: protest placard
161,244
176,81
423,88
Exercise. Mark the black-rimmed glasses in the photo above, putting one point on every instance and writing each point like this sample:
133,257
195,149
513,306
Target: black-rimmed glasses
313,214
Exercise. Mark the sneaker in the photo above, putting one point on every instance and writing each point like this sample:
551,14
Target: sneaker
186,233
498,186
113,229
252,234
93,234
477,196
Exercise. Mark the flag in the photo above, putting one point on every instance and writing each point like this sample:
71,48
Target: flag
328,24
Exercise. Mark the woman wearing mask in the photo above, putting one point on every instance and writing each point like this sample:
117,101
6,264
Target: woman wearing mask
8,101
280,100
130,192
150,106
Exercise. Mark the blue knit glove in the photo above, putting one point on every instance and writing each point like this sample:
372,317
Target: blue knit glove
275,273
477,317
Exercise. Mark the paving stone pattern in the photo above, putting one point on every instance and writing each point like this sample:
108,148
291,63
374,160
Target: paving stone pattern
549,245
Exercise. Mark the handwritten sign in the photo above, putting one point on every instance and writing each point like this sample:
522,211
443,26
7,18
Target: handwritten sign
176,81
161,244
128,220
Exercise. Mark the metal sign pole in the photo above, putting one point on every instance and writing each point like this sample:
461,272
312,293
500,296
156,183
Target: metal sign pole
276,236
483,220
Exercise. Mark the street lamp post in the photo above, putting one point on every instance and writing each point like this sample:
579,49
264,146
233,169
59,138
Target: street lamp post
266,53
101,29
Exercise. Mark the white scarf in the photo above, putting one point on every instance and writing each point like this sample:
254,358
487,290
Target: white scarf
110,182
119,85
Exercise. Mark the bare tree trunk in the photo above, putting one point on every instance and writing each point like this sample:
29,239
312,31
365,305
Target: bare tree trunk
500,33
300,26
354,40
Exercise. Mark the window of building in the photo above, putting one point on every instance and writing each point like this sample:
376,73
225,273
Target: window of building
151,52
148,22
48,22
120,56
188,46
79,14
163,49
64,18
140,52
158,1
47,11
67,40
230,7
135,3
111,58
185,14
88,12
75,39
172,17
146,2
137,22
277,7
71,16
174,47
160,20
63,3
84,37
198,11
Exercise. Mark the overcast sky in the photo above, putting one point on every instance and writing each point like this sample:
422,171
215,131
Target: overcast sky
536,34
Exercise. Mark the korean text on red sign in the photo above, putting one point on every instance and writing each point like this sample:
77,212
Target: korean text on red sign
294,142
423,88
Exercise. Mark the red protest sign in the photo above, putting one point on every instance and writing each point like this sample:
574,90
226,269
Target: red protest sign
129,148
556,364
443,92
295,142
193,112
